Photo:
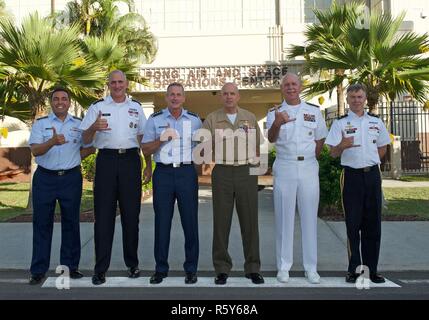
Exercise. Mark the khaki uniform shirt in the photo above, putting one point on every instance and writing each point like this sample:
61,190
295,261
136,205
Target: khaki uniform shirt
234,143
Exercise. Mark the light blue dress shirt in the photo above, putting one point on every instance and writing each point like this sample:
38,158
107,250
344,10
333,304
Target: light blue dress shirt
59,157
177,150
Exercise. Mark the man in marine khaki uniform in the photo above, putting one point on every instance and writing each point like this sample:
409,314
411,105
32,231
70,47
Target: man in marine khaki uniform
235,145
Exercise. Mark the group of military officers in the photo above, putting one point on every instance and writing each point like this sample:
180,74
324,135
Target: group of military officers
118,128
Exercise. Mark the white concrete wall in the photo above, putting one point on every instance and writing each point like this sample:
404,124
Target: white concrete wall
212,50
21,8
417,11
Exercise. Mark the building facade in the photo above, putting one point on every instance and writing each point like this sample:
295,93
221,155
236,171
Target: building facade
204,43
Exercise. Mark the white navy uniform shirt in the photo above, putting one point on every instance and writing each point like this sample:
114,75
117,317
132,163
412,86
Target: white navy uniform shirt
297,138
126,121
369,133
59,157
176,150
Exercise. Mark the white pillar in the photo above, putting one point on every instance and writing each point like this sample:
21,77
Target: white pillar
395,158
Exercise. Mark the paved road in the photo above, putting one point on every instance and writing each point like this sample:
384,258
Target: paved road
404,285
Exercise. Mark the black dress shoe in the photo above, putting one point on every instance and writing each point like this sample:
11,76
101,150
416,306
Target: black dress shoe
76,274
157,277
133,272
351,277
376,278
191,277
255,277
36,279
98,278
221,278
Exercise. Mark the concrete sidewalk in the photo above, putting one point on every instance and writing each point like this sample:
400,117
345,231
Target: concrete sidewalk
404,244
391,183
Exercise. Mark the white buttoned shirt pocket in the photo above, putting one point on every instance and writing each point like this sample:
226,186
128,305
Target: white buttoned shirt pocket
308,130
133,123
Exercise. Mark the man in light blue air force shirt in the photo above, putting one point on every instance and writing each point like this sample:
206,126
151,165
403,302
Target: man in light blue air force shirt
168,136
56,143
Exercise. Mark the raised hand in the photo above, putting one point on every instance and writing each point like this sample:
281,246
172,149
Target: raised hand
100,124
282,117
169,134
347,142
57,139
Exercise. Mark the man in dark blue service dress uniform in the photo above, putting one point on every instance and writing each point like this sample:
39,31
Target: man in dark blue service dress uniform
56,143
168,135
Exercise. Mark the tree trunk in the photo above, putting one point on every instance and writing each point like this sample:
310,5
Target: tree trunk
52,7
340,93
373,109
372,99
340,100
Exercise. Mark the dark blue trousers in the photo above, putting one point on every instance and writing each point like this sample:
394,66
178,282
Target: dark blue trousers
47,189
117,180
362,202
171,184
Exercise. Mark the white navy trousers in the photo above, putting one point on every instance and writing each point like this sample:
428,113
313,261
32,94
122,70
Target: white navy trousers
296,186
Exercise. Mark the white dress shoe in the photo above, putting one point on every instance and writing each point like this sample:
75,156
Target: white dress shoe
312,277
283,276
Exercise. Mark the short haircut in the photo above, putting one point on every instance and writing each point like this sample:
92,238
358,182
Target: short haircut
176,84
119,72
59,89
356,87
229,83
290,74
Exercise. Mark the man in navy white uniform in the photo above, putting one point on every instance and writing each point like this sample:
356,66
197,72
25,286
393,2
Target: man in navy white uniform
299,131
168,135
361,139
56,143
116,125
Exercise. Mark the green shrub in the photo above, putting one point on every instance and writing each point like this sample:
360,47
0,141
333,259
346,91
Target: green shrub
88,167
271,157
147,187
88,170
329,175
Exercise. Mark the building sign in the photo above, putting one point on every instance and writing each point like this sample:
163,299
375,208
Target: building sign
213,78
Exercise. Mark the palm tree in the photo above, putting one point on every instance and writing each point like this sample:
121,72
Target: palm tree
107,50
100,17
35,57
328,30
380,57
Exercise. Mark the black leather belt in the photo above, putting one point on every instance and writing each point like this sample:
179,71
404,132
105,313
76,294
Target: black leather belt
174,165
58,172
117,151
365,169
